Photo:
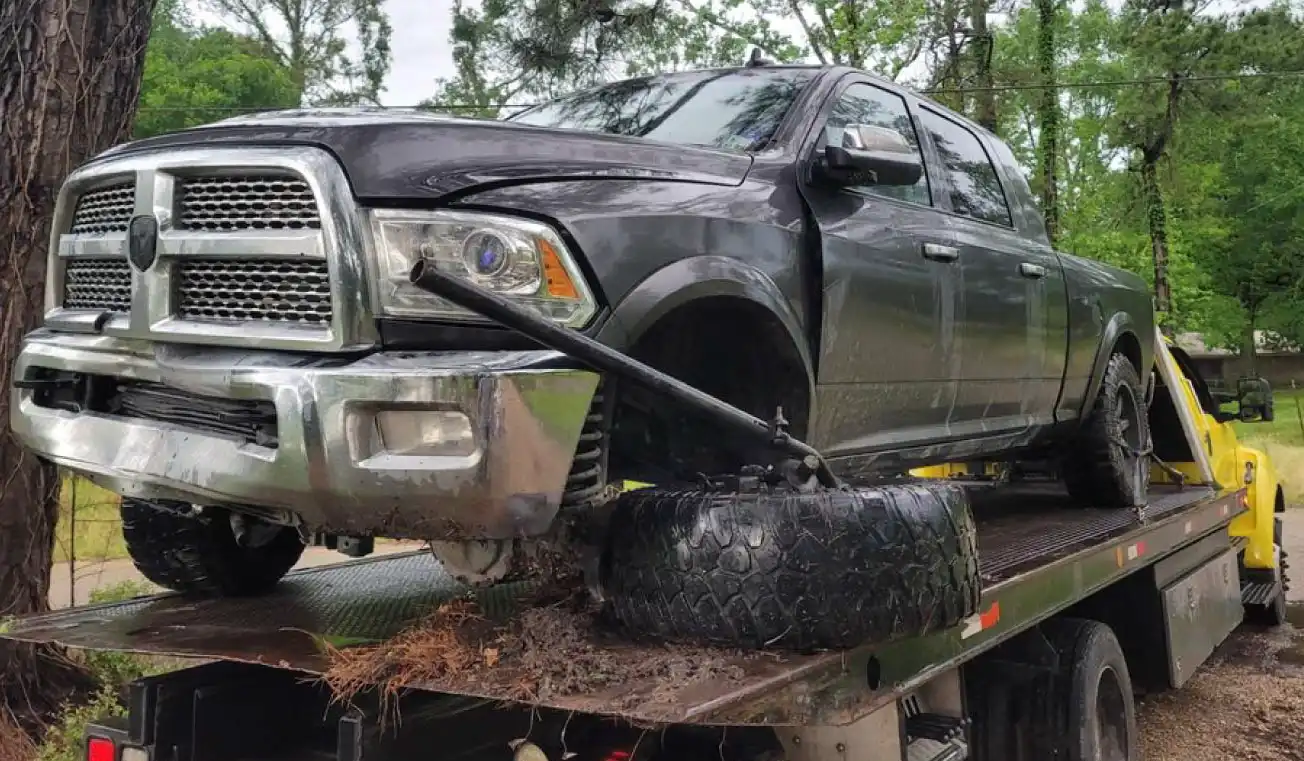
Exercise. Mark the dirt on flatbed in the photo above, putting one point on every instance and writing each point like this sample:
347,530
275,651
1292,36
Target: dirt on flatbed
1245,703
549,650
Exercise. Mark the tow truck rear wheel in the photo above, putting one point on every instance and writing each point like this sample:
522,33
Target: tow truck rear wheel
212,552
1108,464
1079,708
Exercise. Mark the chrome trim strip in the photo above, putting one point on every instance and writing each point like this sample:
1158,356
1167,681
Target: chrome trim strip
341,240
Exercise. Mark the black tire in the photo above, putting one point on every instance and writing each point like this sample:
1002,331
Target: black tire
777,569
1085,709
199,555
1098,472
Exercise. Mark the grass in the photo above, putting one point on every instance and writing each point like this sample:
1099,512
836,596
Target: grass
90,527
1282,440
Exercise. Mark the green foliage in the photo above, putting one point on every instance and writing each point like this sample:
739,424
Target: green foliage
116,669
64,740
195,75
514,52
314,46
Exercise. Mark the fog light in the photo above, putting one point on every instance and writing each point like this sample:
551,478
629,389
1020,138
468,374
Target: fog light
425,433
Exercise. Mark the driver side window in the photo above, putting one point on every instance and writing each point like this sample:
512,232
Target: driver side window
866,104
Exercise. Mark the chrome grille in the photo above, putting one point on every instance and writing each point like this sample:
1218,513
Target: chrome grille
228,203
102,284
106,209
267,290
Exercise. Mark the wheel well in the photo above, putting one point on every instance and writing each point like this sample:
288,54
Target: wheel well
731,348
1128,344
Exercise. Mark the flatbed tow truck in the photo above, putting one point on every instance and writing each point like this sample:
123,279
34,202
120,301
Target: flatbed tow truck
1166,582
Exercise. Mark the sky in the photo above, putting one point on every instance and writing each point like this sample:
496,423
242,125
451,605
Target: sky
420,47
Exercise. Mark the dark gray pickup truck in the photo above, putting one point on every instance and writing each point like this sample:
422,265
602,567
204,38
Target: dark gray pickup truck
234,341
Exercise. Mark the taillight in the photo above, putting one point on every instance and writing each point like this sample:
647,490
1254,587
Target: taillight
101,749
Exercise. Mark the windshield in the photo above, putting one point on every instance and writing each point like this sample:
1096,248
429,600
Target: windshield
735,110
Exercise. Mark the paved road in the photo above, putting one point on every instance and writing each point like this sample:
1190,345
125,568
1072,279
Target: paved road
91,575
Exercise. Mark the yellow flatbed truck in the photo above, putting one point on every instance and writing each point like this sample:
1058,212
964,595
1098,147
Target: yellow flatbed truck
1079,609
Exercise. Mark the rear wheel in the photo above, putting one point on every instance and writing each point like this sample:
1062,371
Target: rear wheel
201,555
1108,463
1080,709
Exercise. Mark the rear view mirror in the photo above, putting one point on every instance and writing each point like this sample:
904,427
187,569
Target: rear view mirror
870,155
1254,399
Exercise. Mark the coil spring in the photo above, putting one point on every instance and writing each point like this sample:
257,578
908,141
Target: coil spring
587,479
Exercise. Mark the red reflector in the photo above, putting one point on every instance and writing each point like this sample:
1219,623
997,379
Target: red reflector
99,749
618,755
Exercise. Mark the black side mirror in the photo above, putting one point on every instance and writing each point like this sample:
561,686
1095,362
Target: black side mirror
1254,399
871,155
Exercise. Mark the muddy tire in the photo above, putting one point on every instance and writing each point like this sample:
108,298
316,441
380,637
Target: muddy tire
1096,469
199,555
777,569
1081,708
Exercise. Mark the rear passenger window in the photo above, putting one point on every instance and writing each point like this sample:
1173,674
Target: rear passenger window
975,185
866,104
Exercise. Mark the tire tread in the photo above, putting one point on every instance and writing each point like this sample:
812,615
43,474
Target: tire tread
829,570
199,555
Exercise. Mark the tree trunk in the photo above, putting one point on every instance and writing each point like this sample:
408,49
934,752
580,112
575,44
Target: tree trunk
1249,347
982,50
1158,221
1048,117
69,78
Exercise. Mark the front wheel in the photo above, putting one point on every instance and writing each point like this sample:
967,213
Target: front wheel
200,554
1108,463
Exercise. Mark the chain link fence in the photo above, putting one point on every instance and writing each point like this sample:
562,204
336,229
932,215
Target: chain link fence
89,553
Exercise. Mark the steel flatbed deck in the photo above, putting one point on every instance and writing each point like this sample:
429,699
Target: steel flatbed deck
1039,555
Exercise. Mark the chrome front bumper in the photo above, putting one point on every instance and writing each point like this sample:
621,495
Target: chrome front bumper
432,445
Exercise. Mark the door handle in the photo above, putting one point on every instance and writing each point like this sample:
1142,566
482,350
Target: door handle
1035,271
940,253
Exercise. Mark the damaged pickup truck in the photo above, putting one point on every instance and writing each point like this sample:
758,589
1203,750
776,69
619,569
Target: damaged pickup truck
243,339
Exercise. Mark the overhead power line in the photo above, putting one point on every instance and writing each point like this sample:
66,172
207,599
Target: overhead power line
934,91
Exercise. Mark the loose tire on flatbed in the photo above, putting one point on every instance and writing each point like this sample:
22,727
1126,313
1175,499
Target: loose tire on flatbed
199,555
1108,464
779,569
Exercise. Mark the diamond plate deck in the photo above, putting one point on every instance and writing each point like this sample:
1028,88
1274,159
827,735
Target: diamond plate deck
375,598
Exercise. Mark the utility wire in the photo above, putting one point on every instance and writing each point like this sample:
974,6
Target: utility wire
934,91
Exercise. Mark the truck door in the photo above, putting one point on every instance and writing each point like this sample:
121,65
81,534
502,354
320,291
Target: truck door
885,359
1009,378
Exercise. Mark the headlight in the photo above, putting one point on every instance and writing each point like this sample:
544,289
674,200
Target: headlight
518,258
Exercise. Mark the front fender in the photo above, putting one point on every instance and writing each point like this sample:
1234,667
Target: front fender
1119,324
1256,525
700,277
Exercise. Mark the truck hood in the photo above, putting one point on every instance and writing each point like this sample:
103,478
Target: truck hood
412,155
